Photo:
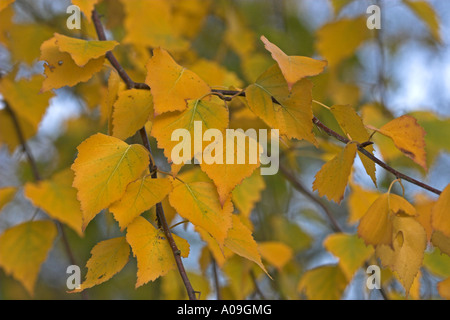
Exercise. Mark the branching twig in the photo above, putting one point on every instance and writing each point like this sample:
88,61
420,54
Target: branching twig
162,222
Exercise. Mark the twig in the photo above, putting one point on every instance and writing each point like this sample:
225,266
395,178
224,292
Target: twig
162,222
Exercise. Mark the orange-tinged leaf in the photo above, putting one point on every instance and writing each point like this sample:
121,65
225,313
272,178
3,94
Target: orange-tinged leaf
108,257
246,194
275,253
199,203
149,23
240,241
440,216
375,226
152,250
132,110
230,173
292,115
6,195
424,206
351,251
171,84
323,283
351,123
61,70
104,167
86,6
5,3
57,198
444,288
140,196
82,51
23,248
406,255
332,178
408,137
294,68
210,114
333,42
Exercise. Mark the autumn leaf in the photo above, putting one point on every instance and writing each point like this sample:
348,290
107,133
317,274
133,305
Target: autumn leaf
210,115
424,206
292,115
5,3
58,199
333,41
352,125
440,215
6,195
86,6
139,196
246,194
115,85
359,201
149,23
108,257
332,178
323,283
439,240
375,226
444,288
240,241
23,248
409,244
104,167
61,70
82,51
294,68
275,253
351,251
199,203
131,111
152,250
171,84
408,137
230,173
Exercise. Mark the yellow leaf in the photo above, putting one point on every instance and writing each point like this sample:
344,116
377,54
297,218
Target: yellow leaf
240,241
152,250
442,242
230,173
210,114
82,51
58,198
444,288
332,178
6,195
7,126
293,115
149,23
294,68
375,226
426,13
86,6
351,251
246,194
104,167
408,137
275,253
424,206
351,123
359,201
25,40
140,196
440,215
5,3
215,74
333,41
60,68
24,98
437,263
323,283
115,85
219,254
406,257
199,203
23,248
171,84
108,257
132,110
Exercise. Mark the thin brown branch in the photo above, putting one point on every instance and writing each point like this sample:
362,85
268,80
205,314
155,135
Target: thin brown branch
162,221
361,146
